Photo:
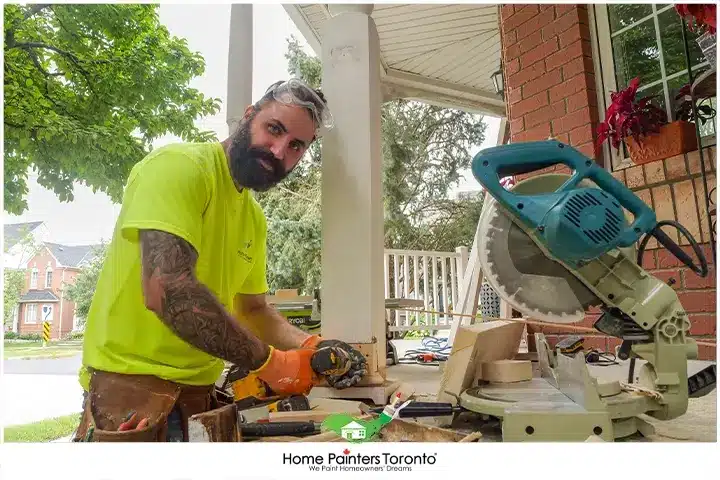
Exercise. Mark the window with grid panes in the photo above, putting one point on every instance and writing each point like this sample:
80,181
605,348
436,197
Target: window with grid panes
645,40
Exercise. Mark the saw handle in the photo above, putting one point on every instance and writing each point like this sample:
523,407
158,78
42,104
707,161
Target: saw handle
491,164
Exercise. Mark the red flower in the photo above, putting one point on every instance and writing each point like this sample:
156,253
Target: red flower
700,16
627,117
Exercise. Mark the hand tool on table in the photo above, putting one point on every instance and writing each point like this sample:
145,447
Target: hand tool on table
278,429
250,391
415,409
553,246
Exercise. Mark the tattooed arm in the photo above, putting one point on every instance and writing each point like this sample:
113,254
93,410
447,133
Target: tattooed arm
188,307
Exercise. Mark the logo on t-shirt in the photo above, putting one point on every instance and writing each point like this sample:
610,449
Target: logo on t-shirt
243,252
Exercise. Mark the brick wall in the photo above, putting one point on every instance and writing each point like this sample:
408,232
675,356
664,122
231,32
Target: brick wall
550,85
549,75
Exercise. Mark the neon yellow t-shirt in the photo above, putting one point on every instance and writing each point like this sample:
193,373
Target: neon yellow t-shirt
186,190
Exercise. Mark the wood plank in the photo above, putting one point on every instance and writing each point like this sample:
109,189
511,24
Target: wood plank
218,425
468,23
505,371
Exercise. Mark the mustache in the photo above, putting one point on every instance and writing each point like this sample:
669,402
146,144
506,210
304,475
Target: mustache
262,154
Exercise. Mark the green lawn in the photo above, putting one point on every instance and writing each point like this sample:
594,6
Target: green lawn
43,431
33,350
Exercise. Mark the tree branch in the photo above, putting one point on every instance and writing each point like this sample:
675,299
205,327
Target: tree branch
36,8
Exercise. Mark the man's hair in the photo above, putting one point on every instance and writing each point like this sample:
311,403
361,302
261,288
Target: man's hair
300,93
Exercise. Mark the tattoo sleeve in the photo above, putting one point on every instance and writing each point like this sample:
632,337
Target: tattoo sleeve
188,307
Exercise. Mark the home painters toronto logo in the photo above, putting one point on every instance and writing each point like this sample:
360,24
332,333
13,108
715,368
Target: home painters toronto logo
347,461
357,430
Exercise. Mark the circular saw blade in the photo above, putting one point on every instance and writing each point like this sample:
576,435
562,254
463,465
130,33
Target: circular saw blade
521,273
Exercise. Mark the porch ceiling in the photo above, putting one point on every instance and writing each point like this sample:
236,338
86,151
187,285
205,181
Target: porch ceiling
442,54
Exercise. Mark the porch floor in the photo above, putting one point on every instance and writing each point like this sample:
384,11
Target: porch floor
699,424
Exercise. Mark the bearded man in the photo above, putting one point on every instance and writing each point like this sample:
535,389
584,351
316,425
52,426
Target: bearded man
183,286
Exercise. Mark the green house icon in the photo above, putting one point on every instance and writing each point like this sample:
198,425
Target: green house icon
353,431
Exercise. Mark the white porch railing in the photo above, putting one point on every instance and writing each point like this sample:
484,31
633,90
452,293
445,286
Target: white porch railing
435,278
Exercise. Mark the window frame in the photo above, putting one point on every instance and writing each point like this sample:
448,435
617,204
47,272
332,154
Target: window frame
48,271
604,62
26,318
34,274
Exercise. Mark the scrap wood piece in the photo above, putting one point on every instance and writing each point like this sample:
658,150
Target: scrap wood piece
641,390
472,346
219,425
471,438
405,391
506,371
400,430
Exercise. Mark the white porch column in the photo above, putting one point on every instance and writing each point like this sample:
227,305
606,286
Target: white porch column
240,63
352,199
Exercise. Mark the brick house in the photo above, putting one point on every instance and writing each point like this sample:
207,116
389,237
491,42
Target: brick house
43,298
560,64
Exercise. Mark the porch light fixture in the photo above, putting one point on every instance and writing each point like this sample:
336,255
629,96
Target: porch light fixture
499,83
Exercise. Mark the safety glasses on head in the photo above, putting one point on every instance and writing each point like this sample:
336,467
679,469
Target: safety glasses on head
297,92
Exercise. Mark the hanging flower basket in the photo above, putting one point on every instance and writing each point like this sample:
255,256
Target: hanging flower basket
673,139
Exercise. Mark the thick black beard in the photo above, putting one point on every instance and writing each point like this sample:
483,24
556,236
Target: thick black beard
245,163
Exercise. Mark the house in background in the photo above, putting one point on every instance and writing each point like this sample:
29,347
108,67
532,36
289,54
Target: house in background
21,242
49,268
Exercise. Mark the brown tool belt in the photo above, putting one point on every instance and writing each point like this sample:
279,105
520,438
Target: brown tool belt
113,396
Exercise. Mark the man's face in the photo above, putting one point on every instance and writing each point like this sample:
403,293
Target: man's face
269,144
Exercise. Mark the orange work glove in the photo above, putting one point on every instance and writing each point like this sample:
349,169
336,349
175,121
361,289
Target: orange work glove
288,372
311,342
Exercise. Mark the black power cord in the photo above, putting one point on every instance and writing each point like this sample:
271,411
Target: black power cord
657,232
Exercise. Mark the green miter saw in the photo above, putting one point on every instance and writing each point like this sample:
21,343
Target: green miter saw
555,245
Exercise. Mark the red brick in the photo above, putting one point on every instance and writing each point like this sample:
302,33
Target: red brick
578,65
675,167
562,9
535,24
588,150
701,198
545,114
612,343
512,67
529,43
665,259
542,83
526,74
573,34
528,105
579,83
507,11
581,135
512,51
648,261
562,168
562,137
510,38
692,280
595,343
694,160
698,302
662,199
635,177
564,56
686,208
703,324
539,53
578,100
514,95
706,352
541,132
520,16
571,121
566,18
667,275
620,175
654,172
517,126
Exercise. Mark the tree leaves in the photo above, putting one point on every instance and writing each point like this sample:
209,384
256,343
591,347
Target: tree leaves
424,149
88,88
82,290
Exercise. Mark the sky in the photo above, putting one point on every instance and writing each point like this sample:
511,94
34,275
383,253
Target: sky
90,217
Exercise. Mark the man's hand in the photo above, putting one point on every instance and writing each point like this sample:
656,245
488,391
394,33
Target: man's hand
358,363
289,373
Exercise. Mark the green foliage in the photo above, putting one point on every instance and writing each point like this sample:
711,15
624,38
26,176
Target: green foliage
81,292
44,430
88,88
424,150
12,288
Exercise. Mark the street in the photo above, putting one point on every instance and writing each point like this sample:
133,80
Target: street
34,390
